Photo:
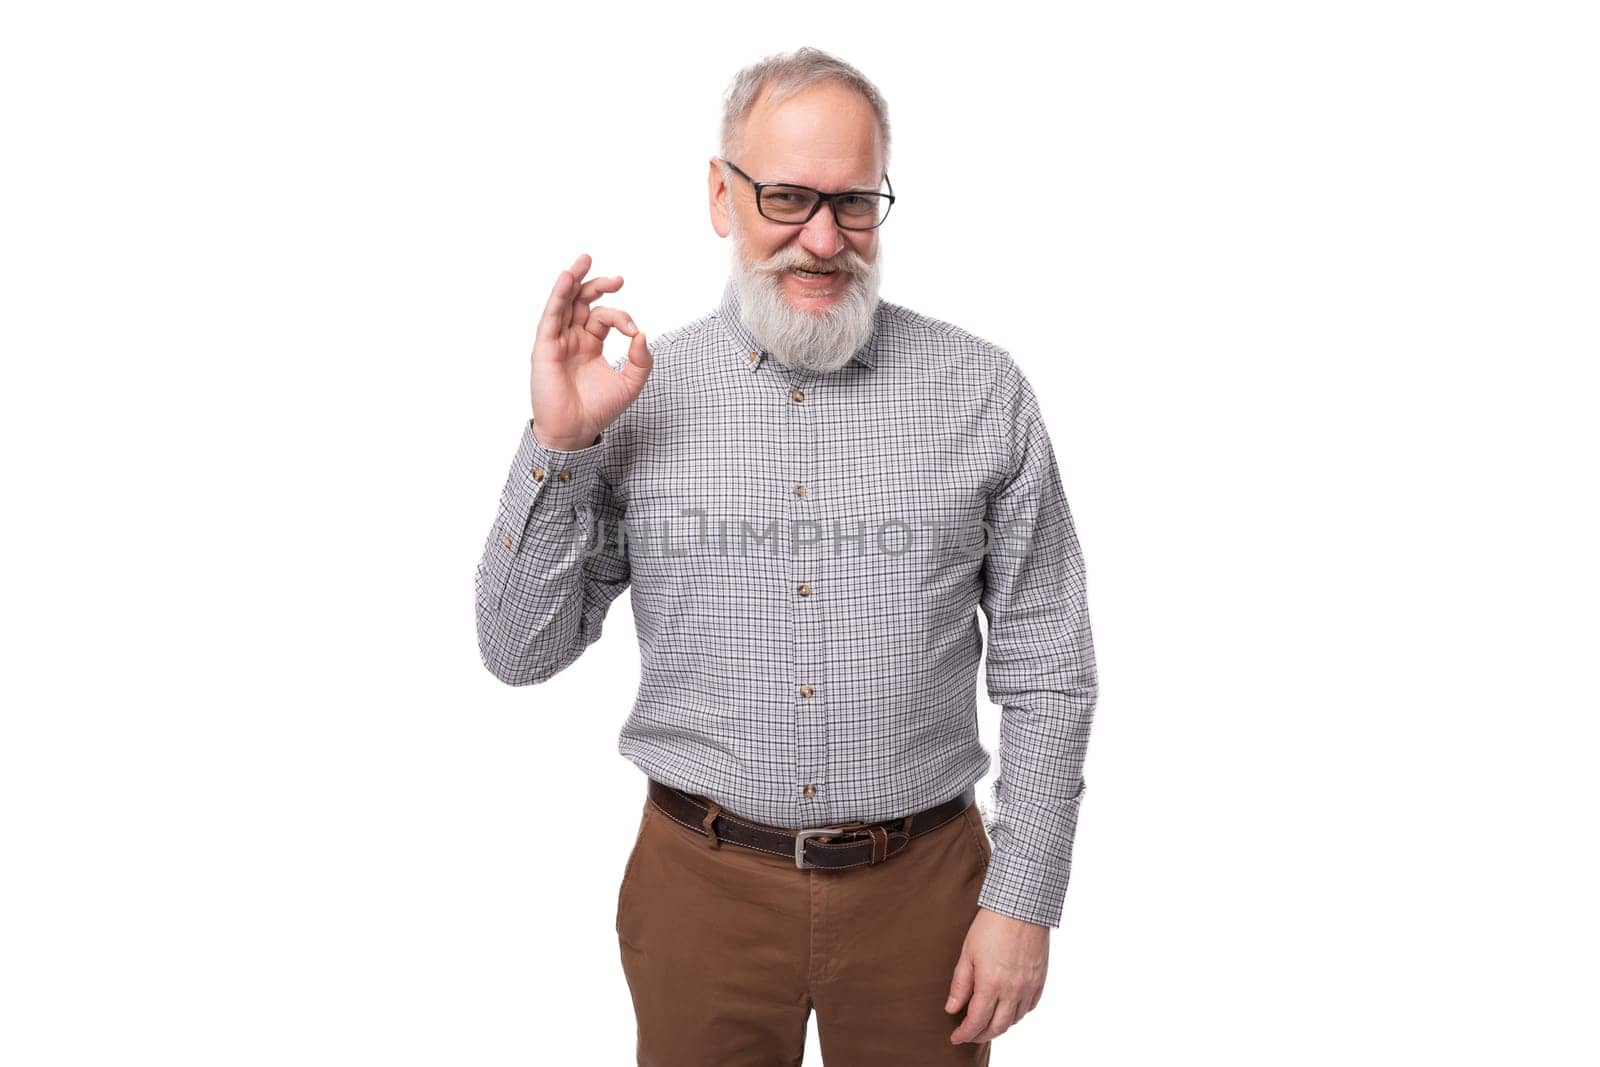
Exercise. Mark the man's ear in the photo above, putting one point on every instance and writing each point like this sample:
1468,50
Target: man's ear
717,194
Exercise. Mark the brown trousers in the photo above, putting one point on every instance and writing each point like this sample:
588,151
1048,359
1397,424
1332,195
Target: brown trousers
727,950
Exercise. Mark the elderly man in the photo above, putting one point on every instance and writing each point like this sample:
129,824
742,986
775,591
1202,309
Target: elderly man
811,491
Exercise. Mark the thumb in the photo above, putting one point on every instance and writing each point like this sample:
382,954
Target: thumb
960,985
640,360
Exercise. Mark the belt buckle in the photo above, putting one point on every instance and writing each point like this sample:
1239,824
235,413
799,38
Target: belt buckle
800,837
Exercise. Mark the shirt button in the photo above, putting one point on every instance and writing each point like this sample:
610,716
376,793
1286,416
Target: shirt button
508,542
799,490
806,690
566,476
752,357
811,790
804,590
796,395
538,474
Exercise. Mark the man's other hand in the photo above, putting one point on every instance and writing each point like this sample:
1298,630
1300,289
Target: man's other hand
1001,973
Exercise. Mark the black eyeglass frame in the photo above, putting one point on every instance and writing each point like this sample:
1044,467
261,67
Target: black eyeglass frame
822,198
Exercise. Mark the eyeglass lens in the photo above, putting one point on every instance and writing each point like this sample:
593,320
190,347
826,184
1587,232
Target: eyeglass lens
860,211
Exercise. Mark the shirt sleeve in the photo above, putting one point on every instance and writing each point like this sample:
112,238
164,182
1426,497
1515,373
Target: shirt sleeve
547,578
1040,669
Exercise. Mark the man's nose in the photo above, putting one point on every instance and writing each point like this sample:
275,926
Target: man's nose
822,236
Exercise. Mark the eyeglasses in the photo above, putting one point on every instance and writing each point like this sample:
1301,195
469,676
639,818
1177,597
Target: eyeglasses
794,205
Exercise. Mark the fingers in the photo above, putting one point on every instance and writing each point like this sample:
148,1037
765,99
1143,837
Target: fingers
637,369
1005,1013
591,290
993,1012
579,268
960,984
602,320
640,359
979,1012
570,298
558,309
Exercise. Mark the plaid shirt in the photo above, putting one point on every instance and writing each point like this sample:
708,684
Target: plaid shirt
807,555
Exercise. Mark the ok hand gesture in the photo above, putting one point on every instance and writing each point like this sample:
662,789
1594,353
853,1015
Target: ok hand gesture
576,394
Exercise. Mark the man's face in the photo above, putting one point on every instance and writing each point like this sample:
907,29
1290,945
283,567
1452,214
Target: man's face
825,136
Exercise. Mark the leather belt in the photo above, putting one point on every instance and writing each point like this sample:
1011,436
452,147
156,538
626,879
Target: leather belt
858,844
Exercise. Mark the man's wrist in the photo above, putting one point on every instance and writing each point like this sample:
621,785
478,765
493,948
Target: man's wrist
562,446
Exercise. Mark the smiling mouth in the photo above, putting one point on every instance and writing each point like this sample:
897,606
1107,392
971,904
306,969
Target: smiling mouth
812,273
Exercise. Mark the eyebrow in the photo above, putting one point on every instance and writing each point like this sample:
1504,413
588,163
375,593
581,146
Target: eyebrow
852,189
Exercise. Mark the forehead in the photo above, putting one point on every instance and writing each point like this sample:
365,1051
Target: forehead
825,135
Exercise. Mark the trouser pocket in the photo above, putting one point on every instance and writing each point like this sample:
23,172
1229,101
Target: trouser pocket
981,846
645,819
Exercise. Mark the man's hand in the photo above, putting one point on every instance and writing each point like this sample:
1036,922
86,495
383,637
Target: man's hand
1002,968
575,392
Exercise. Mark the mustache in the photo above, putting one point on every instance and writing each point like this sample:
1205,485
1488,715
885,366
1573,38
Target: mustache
847,261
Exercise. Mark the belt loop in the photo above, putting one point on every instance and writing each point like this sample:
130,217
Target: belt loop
880,844
712,812
907,826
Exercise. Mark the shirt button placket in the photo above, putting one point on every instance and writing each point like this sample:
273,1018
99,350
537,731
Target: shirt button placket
804,542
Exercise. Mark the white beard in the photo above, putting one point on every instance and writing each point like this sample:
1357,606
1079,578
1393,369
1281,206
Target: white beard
818,342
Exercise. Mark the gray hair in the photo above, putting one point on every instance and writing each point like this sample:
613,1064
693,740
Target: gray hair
785,74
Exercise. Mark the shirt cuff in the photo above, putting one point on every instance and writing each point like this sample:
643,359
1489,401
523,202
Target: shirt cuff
568,472
1032,859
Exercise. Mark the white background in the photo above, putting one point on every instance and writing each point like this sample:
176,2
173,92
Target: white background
1307,293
